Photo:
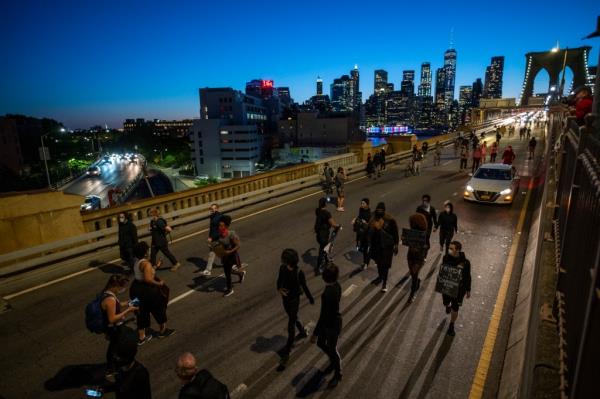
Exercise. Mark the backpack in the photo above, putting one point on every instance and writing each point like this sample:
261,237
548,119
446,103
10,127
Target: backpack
94,315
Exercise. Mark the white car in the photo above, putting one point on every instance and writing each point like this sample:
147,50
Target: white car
492,183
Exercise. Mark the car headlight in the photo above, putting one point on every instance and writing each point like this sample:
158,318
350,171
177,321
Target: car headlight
506,191
470,189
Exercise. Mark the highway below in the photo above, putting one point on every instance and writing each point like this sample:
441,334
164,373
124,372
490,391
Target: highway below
389,348
115,173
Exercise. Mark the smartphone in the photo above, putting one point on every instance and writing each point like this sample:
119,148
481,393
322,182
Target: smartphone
93,393
134,302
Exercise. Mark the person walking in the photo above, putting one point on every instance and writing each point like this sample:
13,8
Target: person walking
361,228
464,157
377,163
196,383
415,256
382,157
159,230
290,284
383,242
493,151
508,156
128,237
532,144
114,313
448,223
340,179
329,325
213,237
498,136
417,159
484,150
476,159
370,168
431,215
151,293
456,258
323,224
230,243
328,179
437,155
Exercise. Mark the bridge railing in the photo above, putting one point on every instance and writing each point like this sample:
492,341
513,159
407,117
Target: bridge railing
577,231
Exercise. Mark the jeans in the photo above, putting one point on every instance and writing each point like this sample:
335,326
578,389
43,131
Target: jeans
291,307
228,263
327,341
165,250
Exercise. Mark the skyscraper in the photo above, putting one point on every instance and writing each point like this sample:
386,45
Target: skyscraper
440,88
355,94
450,67
425,85
493,78
341,94
407,87
465,102
381,78
319,86
477,92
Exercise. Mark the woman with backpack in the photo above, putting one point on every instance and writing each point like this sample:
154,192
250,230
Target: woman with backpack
361,228
152,294
383,242
340,178
113,314
159,230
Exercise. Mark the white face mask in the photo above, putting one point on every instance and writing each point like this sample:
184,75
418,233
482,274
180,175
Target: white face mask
122,219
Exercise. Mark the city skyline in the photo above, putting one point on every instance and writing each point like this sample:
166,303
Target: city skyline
89,78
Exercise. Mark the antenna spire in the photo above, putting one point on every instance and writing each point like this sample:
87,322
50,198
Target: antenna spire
452,37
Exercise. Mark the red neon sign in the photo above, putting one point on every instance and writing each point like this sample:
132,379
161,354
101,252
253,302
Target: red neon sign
267,83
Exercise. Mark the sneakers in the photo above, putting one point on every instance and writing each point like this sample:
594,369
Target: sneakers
384,289
146,339
304,334
242,277
206,272
165,334
451,331
175,267
228,293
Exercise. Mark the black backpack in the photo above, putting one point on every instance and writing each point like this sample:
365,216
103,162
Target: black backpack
94,315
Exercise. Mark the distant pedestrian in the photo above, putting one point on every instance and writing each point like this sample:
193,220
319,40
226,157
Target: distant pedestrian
437,155
377,163
328,179
290,284
198,384
522,131
476,159
431,215
383,242
532,144
424,148
329,326
360,226
448,223
152,294
159,231
528,132
213,237
484,150
323,224
464,157
382,156
457,258
508,156
128,237
370,168
417,160
415,256
340,179
498,136
493,151
230,243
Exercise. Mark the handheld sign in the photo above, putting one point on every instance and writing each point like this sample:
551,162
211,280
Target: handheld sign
414,238
448,280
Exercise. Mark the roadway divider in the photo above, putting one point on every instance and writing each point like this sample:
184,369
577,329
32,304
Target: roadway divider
30,258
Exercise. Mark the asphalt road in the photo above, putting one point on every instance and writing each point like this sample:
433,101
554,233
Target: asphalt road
116,173
390,349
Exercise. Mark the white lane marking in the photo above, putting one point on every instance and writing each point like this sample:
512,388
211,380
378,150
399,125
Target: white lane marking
446,163
349,290
239,389
190,292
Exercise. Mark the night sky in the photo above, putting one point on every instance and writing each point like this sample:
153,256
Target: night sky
85,63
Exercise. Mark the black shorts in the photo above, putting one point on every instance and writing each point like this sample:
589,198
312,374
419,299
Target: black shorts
454,303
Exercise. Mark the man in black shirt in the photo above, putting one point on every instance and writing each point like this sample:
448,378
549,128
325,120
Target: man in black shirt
431,215
198,384
159,230
127,238
132,378
329,326
323,223
290,284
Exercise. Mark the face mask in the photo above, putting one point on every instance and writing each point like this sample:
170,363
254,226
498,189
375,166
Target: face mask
122,219
426,204
379,213
223,231
122,290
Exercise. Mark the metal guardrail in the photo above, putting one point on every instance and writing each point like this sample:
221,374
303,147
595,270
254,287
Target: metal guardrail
578,232
30,258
